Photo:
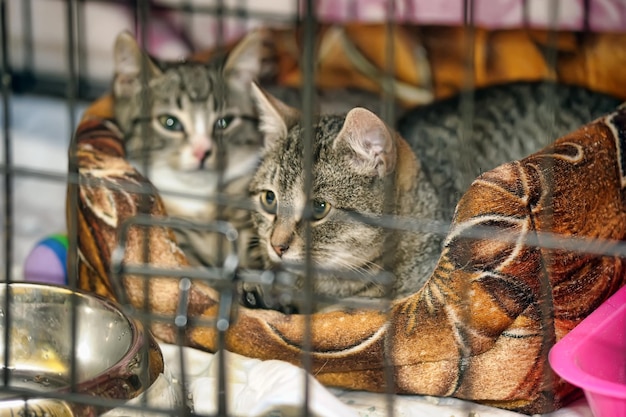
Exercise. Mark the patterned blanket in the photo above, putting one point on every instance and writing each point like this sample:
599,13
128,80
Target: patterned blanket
534,247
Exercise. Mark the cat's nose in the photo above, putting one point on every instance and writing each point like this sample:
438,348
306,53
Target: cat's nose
282,236
204,157
280,249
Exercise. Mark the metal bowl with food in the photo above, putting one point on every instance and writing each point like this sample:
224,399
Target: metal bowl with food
114,356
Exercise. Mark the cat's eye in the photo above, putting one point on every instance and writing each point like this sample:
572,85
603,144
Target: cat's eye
170,123
223,122
268,201
320,209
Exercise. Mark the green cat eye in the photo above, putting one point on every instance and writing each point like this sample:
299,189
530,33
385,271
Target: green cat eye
223,122
268,201
320,209
170,122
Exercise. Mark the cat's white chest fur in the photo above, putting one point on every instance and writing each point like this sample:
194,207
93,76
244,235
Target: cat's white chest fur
190,193
183,193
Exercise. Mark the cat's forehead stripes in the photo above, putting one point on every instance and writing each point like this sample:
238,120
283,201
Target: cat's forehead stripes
198,82
285,166
325,132
292,151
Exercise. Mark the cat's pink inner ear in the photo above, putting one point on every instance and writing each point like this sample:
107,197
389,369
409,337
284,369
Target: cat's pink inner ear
371,140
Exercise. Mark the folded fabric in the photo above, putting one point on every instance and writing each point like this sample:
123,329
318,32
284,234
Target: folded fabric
438,61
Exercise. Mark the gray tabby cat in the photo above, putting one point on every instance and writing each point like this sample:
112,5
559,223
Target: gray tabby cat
203,132
363,170
508,122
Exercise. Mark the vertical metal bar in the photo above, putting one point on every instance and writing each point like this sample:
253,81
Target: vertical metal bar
224,303
181,322
72,71
308,106
525,14
82,50
243,14
142,11
71,106
220,93
141,23
388,115
546,302
551,58
188,26
388,87
8,151
72,180
586,17
8,187
27,35
466,109
467,94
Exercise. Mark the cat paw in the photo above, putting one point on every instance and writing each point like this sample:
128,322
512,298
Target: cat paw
258,297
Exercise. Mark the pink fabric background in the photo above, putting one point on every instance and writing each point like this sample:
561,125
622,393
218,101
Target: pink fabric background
173,35
604,15
201,30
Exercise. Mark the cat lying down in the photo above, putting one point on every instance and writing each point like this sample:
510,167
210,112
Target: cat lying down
479,328
361,169
365,176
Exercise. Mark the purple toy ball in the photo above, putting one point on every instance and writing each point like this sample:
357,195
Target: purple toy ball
47,262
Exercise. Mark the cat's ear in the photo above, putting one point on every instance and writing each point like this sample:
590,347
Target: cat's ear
276,118
250,59
371,141
127,56
127,61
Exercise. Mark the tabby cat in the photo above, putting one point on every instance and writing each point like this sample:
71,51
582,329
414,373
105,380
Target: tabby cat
203,135
363,170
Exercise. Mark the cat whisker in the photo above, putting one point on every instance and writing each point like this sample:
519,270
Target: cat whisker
348,265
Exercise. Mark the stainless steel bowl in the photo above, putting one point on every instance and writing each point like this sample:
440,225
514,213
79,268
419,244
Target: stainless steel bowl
114,357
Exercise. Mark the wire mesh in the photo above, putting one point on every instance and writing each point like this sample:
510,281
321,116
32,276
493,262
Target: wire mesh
76,86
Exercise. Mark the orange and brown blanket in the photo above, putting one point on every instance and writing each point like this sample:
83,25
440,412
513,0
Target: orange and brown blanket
441,60
432,62
481,327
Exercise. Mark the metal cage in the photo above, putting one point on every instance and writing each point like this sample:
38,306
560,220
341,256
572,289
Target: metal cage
73,79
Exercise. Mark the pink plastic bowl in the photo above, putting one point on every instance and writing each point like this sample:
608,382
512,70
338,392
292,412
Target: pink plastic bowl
593,357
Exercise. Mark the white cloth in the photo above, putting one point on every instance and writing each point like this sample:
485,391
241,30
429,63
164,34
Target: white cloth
257,388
